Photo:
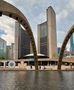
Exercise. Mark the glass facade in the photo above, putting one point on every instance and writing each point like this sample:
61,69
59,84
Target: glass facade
43,39
72,43
2,49
23,43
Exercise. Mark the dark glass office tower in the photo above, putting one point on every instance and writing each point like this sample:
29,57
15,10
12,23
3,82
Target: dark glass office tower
22,42
43,38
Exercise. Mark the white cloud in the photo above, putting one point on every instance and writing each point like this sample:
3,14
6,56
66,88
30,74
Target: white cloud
63,17
70,5
61,39
9,38
61,35
62,14
68,8
30,8
7,26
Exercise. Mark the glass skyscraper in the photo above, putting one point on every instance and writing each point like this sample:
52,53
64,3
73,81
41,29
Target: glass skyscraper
22,42
2,49
72,44
43,38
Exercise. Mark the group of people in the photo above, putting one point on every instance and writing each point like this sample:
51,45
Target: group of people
39,67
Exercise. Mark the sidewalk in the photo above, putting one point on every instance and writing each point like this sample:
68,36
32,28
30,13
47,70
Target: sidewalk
50,68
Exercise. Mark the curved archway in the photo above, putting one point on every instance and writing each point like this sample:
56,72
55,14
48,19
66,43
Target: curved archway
64,45
11,11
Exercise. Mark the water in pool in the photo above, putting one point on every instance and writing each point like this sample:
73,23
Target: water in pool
36,80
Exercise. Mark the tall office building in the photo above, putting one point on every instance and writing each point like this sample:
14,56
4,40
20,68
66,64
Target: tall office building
42,38
2,49
10,52
72,44
47,42
22,42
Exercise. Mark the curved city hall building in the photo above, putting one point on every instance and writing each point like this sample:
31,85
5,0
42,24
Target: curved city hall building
69,34
47,41
11,11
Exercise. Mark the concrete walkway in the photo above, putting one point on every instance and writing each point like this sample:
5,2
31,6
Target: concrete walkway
50,68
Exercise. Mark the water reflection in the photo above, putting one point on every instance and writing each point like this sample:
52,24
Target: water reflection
36,80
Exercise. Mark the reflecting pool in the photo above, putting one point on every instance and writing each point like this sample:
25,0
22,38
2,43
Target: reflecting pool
36,80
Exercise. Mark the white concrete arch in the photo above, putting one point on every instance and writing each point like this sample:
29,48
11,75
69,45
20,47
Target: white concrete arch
11,11
70,32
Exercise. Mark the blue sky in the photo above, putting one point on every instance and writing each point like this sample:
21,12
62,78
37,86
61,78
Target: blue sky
35,11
